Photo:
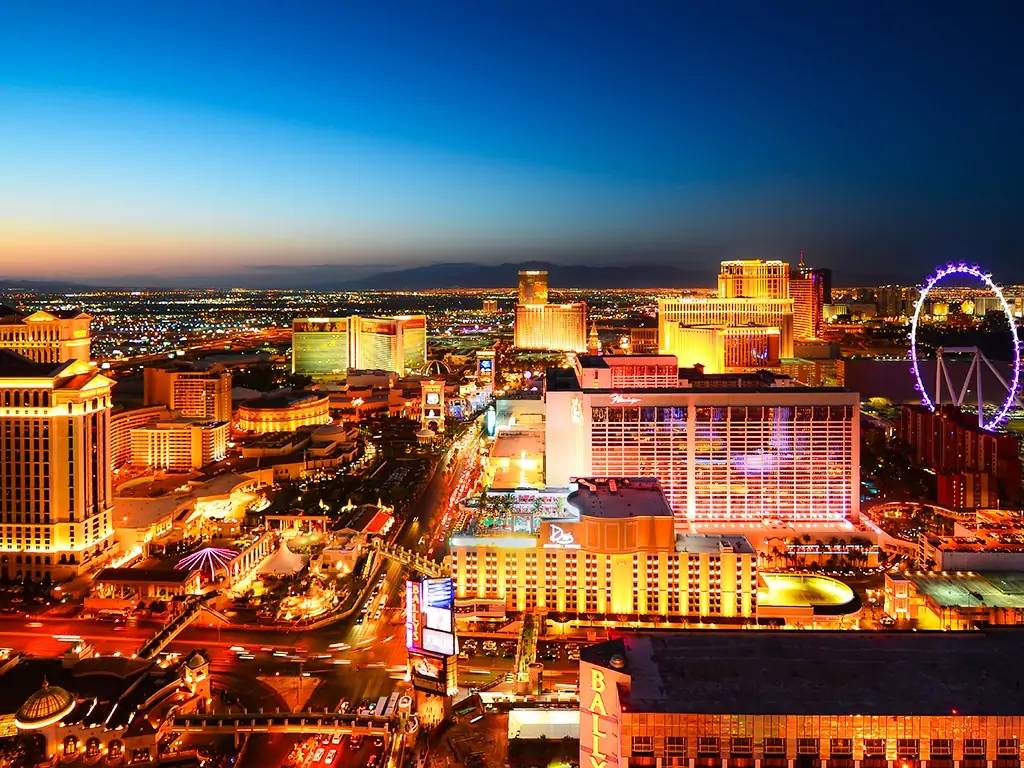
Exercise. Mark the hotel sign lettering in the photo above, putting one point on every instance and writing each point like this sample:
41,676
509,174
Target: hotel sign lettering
617,399
599,738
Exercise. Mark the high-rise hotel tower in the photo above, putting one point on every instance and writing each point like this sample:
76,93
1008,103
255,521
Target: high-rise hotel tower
328,347
726,448
541,325
55,482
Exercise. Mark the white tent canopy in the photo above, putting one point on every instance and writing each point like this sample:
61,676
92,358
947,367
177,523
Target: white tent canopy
284,562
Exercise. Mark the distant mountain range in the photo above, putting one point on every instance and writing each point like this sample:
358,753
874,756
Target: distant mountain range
463,275
433,276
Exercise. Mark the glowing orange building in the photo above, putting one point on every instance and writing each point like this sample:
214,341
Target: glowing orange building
46,337
55,477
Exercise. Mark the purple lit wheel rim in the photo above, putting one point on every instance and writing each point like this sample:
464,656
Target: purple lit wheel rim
977,272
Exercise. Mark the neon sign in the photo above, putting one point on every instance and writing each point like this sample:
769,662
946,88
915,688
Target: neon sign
617,399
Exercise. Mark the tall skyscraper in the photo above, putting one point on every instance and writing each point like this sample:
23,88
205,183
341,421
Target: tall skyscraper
46,337
55,478
204,395
533,286
807,288
327,347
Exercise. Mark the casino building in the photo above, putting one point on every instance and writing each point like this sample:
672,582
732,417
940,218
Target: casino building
540,324
284,411
611,551
739,699
727,448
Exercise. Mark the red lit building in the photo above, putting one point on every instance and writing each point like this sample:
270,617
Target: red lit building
951,443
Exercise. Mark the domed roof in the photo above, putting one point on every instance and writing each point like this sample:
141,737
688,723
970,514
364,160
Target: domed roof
47,705
437,368
195,660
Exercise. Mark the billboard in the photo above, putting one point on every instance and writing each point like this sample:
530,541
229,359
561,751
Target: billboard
431,674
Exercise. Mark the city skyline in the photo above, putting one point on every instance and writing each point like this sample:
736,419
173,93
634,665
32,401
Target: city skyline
170,147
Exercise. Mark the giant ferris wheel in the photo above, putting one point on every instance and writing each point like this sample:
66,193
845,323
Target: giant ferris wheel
943,377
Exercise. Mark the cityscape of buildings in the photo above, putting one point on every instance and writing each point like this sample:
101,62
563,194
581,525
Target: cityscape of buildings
511,385
511,511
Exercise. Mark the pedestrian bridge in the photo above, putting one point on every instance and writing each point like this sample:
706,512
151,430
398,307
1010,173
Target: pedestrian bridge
412,560
287,722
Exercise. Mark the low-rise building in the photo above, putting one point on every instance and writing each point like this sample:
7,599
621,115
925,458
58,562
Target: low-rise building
284,411
956,601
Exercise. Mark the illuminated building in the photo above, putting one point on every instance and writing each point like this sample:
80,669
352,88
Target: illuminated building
193,394
731,313
101,710
327,347
46,337
823,372
179,445
55,493
432,405
952,444
614,552
725,448
533,286
724,349
554,327
802,700
753,295
990,540
284,411
753,279
956,601
807,293
489,306
643,341
123,422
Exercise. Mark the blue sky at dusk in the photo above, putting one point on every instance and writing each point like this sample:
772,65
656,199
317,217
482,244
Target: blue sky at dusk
196,138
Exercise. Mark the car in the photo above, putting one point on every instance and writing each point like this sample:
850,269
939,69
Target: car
355,740
318,754
330,756
372,761
336,738
378,741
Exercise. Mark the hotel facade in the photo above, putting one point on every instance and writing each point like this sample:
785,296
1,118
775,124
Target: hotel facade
327,347
611,551
46,337
807,699
202,395
746,448
55,479
541,325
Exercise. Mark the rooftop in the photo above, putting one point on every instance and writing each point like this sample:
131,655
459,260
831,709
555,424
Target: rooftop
820,673
713,543
972,590
285,398
619,497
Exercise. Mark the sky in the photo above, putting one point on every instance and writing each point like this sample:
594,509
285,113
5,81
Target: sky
155,140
